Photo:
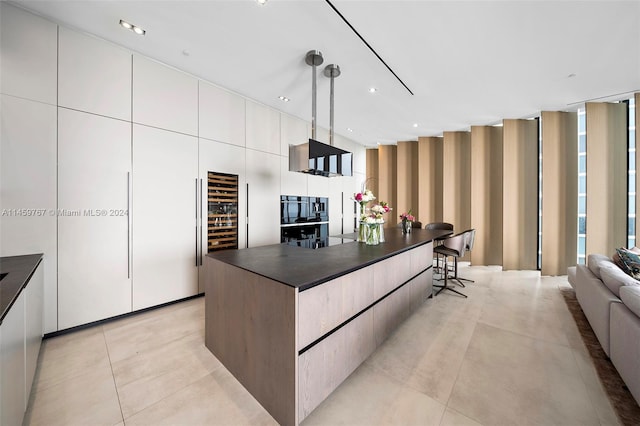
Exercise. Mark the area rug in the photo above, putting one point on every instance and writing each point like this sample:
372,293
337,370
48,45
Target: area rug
625,406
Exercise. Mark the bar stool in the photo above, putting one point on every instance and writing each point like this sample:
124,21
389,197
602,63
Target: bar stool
453,246
437,241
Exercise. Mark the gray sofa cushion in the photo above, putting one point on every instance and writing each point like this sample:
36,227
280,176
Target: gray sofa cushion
614,278
597,261
630,296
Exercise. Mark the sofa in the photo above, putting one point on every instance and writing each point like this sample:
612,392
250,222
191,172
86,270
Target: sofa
610,299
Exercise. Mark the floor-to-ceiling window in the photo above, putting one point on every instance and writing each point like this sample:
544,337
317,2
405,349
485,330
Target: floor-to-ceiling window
631,210
582,185
540,193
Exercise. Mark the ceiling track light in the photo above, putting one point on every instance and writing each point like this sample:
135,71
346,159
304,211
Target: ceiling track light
131,27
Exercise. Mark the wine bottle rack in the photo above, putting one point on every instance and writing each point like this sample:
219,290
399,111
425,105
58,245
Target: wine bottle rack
222,218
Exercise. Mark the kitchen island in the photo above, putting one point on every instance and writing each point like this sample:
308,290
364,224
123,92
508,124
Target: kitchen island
291,323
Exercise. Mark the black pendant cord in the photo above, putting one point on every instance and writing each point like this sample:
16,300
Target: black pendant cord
368,45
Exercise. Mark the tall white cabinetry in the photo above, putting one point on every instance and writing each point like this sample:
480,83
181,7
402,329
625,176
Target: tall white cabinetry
94,179
263,182
94,233
28,75
165,184
263,175
164,97
165,199
95,76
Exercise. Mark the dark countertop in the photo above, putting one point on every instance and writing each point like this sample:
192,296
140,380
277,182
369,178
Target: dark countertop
305,268
19,270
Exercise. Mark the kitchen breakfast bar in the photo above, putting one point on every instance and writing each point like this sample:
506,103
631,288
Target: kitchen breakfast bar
292,323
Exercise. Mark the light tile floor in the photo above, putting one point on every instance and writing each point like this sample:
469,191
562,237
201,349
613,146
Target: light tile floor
509,354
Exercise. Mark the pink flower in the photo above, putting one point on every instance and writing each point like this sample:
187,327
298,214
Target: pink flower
359,196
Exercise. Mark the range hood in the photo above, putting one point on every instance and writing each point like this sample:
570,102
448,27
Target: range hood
315,157
320,159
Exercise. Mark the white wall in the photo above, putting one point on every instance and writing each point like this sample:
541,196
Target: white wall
94,78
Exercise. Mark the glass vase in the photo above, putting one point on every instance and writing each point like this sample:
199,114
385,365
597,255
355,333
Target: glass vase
362,233
406,227
381,228
373,234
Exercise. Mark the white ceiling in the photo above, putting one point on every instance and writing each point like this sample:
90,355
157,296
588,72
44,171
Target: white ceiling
467,62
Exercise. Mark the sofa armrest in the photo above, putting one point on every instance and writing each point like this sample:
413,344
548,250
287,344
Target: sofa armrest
595,300
625,346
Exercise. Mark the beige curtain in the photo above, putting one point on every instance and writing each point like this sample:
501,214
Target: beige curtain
486,194
520,194
606,177
559,191
407,184
430,179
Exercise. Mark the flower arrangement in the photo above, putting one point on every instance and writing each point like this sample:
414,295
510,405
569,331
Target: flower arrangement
407,217
373,218
363,198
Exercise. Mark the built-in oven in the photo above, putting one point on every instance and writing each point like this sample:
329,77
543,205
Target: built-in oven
303,218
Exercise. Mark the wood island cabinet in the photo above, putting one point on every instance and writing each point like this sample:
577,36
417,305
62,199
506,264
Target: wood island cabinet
291,323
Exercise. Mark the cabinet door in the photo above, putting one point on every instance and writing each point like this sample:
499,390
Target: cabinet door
263,179
94,165
165,171
222,115
12,366
221,158
263,128
28,68
164,97
33,325
28,180
95,76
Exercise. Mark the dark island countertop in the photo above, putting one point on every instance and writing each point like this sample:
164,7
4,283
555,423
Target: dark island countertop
305,268
18,270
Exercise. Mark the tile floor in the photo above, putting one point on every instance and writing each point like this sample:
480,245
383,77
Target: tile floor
509,354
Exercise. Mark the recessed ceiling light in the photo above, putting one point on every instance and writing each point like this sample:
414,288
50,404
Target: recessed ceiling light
132,27
284,98
261,2
349,129
372,90
415,124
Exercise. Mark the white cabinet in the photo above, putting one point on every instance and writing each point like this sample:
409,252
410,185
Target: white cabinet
263,179
28,67
20,338
28,181
221,115
263,128
164,97
94,165
12,365
165,185
33,331
94,75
